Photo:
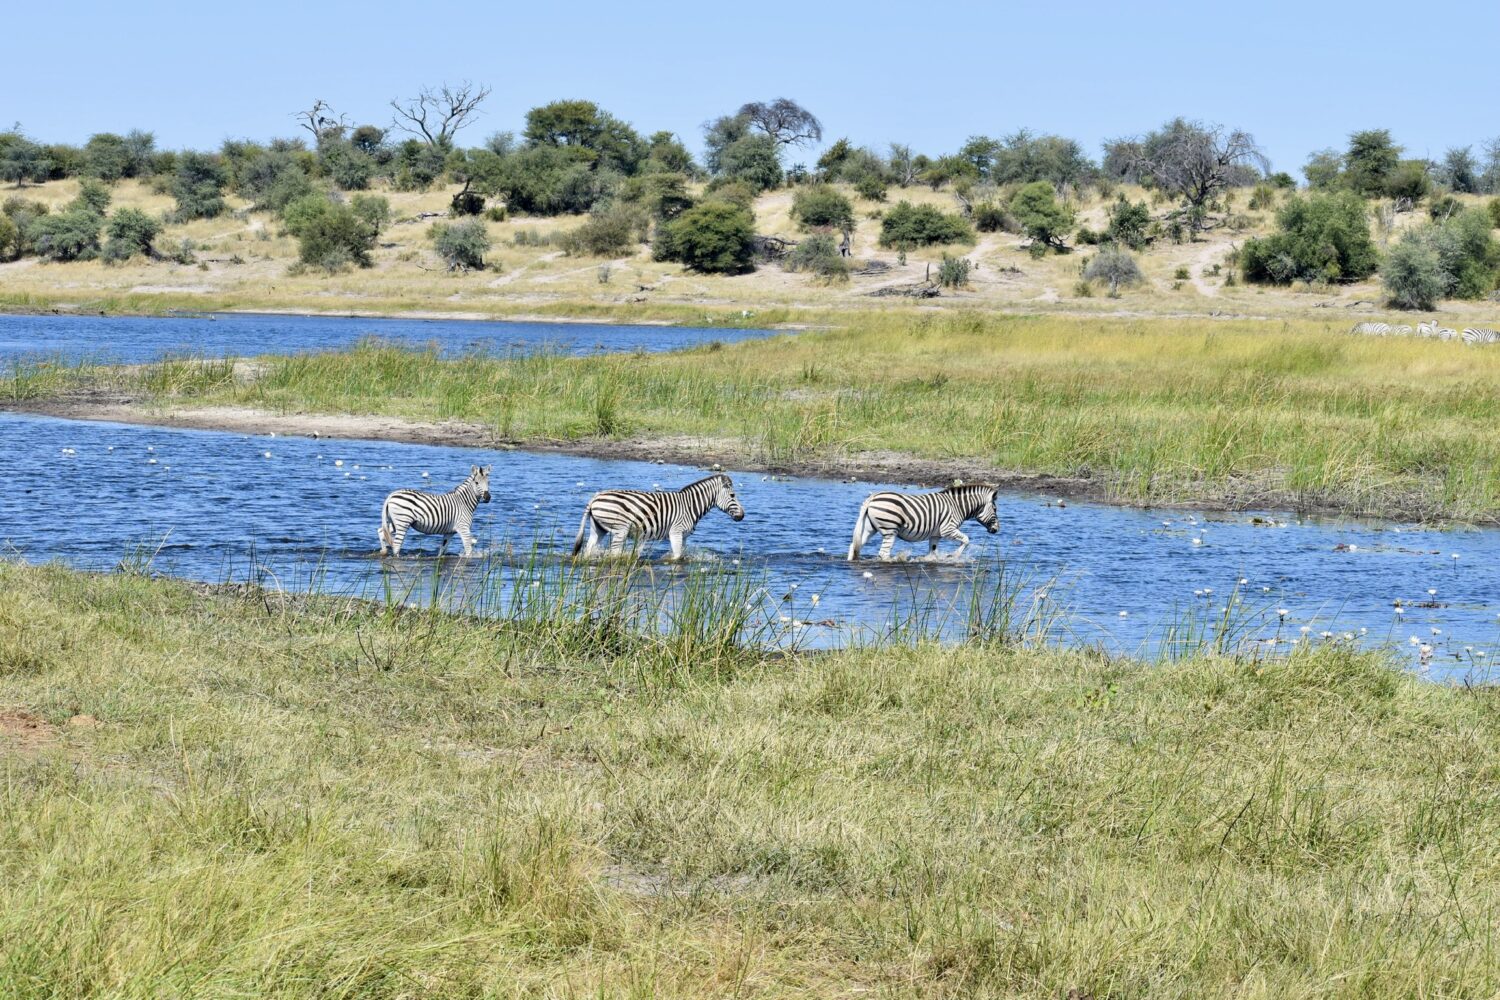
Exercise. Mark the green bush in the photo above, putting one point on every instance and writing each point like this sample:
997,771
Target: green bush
462,245
1116,267
953,272
1262,198
348,166
1319,238
374,209
820,206
663,195
714,236
330,235
1455,258
130,232
466,203
754,160
871,186
1040,216
69,235
1129,224
92,196
1413,275
198,187
819,255
10,238
989,217
106,157
1409,181
909,225
273,179
612,232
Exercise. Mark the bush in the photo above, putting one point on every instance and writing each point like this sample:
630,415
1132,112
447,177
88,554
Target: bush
495,213
1089,236
330,236
715,237
92,196
819,255
613,232
272,180
1116,267
130,232
953,272
1319,238
1129,224
466,203
819,206
462,245
662,195
349,167
198,187
10,238
1443,206
1413,275
1040,216
909,225
1262,198
871,186
1494,210
753,159
1409,181
374,209
106,157
69,235
1456,258
989,217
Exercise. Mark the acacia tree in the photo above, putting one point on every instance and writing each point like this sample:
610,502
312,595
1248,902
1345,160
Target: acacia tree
784,120
322,122
1195,161
437,115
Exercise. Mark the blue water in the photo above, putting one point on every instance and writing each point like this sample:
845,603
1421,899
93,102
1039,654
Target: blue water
203,502
138,339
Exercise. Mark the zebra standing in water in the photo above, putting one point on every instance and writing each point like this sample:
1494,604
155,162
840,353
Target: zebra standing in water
445,514
929,517
651,515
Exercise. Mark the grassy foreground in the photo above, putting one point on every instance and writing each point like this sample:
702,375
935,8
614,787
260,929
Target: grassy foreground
1237,412
276,797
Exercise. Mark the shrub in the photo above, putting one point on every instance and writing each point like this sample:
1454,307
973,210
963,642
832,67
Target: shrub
466,203
198,187
1409,181
1283,181
495,213
911,225
871,186
349,167
92,196
1182,274
661,195
106,157
1129,224
734,192
819,255
69,235
753,159
10,238
1494,209
462,245
1413,275
613,232
953,272
1319,238
374,209
1089,236
1456,258
819,205
715,236
272,180
130,232
1116,267
989,217
1040,216
1443,206
330,236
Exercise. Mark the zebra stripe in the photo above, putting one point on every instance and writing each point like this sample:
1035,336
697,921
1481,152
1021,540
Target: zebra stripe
445,514
1479,335
651,515
1372,329
917,517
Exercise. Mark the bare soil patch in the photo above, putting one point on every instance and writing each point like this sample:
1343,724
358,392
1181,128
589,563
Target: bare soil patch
22,731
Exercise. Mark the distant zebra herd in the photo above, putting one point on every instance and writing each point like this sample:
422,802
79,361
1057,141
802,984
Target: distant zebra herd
653,515
1470,335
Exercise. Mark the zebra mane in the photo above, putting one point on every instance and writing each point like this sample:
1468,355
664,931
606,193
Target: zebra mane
971,493
704,481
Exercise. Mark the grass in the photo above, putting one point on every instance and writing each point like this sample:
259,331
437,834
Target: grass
271,804
1234,412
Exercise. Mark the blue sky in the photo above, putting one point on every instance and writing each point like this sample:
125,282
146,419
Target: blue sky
1299,76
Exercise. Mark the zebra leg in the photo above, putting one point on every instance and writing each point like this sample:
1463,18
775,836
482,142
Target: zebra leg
397,537
932,544
676,539
443,548
617,542
468,541
958,536
591,547
887,542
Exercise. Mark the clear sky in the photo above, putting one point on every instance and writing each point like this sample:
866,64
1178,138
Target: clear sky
1299,76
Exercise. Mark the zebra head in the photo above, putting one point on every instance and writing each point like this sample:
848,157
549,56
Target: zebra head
725,500
989,514
479,481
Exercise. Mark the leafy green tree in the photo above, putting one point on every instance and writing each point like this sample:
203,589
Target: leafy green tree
1115,266
418,165
1323,237
1455,258
1460,171
597,137
1129,224
92,196
462,245
754,160
272,180
831,163
908,225
1324,170
347,165
718,136
69,235
541,180
1370,161
1023,158
131,232
329,235
106,157
22,161
1413,275
374,209
1409,182
667,155
715,237
821,206
662,195
1040,216
198,187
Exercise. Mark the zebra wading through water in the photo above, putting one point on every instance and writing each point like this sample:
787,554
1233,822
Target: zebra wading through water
445,514
929,517
651,515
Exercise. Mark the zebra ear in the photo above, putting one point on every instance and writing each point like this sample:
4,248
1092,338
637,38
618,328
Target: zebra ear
487,469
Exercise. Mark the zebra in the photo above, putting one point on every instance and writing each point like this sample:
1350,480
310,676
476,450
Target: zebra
651,515
1447,333
929,517
1427,328
445,514
1372,329
1479,335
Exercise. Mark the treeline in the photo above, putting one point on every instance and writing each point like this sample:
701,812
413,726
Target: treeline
574,157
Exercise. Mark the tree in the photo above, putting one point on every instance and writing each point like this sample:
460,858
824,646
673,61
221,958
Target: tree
1323,237
821,206
596,136
462,245
719,135
273,179
1324,169
72,234
92,196
1129,224
1022,157
198,187
1370,161
752,159
1413,275
1195,162
1489,180
908,225
902,165
22,160
322,123
667,155
130,232
715,237
106,157
662,196
1459,171
436,116
784,121
330,235
374,209
609,232
1040,216
1409,182
1115,266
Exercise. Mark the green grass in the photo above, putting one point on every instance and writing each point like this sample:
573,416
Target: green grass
314,797
1238,412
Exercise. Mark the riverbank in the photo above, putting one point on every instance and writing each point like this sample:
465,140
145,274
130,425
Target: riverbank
1217,414
302,791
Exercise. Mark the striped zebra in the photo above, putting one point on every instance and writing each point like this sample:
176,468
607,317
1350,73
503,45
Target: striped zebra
929,517
651,515
1372,329
1427,328
445,514
1478,335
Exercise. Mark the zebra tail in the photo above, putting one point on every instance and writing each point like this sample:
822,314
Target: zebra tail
859,524
583,527
387,532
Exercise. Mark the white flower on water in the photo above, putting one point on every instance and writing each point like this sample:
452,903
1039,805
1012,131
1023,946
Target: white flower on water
265,454
1305,629
1282,612
1437,631
1431,591
338,463
1400,611
1243,581
1415,641
814,599
869,575
1124,614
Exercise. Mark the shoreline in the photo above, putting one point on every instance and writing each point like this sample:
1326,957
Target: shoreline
875,467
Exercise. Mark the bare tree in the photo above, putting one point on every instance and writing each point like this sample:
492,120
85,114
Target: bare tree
1195,161
321,121
903,164
436,115
784,120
